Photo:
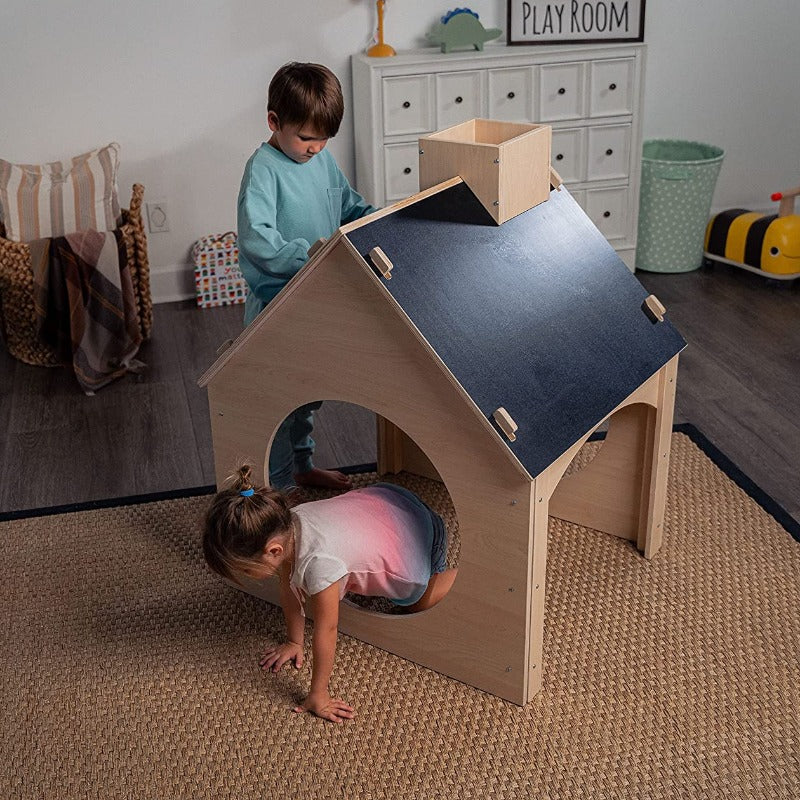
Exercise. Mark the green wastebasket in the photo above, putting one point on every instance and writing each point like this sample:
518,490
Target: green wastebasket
678,181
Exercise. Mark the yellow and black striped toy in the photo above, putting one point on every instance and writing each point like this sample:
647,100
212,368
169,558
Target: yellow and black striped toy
764,244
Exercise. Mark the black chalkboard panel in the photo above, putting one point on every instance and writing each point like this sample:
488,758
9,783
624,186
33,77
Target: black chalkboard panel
538,315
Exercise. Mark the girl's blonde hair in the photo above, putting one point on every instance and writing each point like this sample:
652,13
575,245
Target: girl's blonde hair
241,520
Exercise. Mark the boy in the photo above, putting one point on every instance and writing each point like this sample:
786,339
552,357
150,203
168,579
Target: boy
292,194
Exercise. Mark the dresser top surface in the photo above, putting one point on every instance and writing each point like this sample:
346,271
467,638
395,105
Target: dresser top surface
433,55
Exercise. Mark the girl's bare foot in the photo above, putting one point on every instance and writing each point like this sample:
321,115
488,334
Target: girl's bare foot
323,479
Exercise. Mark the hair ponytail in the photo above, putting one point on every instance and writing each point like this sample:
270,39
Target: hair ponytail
241,520
242,480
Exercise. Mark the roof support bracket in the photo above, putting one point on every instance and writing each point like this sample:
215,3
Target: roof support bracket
381,262
654,309
505,423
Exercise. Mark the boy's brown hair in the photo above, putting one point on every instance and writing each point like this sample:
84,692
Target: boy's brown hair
301,94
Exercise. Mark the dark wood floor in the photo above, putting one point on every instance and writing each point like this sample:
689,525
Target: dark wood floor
739,383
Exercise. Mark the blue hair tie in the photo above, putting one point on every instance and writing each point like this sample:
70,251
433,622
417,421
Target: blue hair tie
247,492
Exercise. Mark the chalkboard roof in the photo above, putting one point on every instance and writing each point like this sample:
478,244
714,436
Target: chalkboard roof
538,315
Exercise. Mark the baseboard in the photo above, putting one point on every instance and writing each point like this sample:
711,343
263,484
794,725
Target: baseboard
172,283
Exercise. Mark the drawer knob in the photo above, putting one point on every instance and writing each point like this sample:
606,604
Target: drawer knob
560,157
609,152
606,214
407,104
459,99
511,95
562,90
407,171
612,87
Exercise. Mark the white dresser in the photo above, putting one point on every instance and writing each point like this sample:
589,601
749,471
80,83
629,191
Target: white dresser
591,95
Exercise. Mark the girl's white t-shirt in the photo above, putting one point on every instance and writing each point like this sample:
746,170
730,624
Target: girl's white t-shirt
374,541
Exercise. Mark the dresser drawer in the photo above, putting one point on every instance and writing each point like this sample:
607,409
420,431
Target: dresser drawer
401,170
608,152
407,104
510,94
568,154
608,210
611,87
560,92
459,97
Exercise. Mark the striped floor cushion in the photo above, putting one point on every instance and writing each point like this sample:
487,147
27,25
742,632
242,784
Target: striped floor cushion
62,197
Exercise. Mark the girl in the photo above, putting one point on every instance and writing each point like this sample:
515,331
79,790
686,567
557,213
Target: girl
381,541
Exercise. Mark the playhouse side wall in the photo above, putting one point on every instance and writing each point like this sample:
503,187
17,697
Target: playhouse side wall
342,337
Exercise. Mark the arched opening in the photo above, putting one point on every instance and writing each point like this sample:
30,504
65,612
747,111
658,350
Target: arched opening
368,449
603,484
588,452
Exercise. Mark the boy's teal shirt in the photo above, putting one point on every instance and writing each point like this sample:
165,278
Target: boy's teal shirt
284,207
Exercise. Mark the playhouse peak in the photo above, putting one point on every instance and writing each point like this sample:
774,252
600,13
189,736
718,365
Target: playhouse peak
505,164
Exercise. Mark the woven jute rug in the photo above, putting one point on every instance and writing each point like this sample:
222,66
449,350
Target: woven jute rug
129,671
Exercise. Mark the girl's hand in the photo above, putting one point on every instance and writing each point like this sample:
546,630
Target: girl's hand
326,707
274,658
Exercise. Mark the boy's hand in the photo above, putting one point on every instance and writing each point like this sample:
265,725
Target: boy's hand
326,707
274,658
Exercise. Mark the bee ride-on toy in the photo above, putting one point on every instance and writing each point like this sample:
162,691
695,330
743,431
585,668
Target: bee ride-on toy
768,245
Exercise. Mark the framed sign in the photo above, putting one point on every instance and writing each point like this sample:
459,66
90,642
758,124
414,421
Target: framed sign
575,21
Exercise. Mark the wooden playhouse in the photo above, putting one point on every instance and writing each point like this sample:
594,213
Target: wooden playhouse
492,329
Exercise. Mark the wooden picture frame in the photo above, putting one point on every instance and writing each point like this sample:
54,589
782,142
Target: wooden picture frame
574,21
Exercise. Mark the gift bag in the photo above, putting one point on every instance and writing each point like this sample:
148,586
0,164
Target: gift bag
217,279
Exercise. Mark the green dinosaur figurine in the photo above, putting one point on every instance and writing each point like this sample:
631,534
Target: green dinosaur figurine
461,28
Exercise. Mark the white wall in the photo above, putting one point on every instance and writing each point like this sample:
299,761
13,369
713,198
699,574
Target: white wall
181,86
728,72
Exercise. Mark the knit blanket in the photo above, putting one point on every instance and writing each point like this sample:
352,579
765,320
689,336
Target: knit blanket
85,304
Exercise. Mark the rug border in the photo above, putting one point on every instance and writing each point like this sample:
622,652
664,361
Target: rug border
111,502
136,499
714,454
729,468
744,482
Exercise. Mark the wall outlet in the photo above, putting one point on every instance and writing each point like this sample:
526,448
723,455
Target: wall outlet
157,217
